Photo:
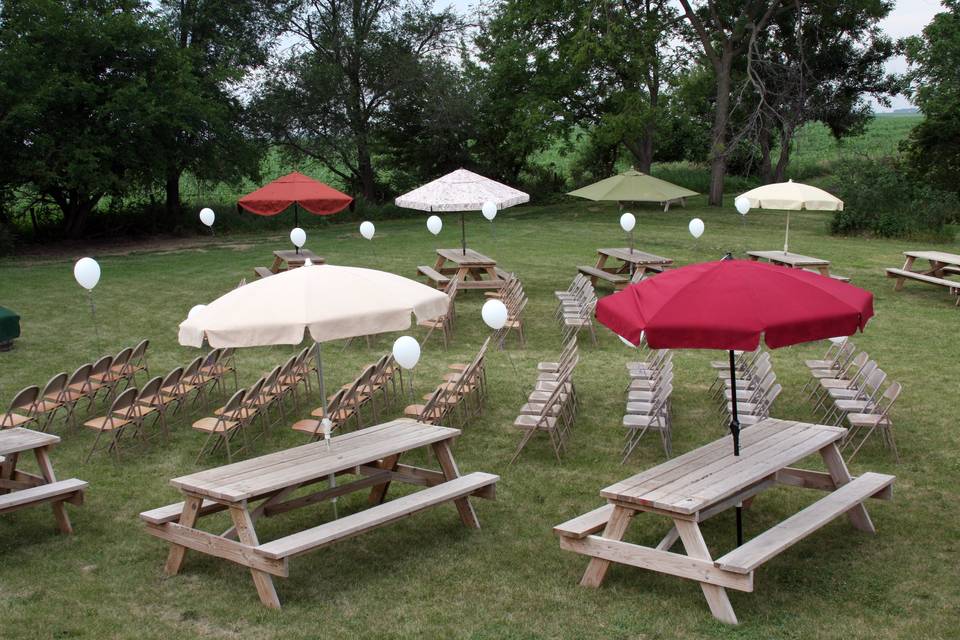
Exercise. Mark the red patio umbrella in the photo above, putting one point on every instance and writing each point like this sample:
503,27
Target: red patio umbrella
730,304
295,189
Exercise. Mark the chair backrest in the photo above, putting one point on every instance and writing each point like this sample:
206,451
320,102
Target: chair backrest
888,398
772,395
101,366
227,359
351,398
172,379
844,355
254,393
211,358
864,372
872,386
429,413
192,370
139,352
150,392
122,405
231,406
80,377
856,363
123,357
271,379
25,400
287,368
53,390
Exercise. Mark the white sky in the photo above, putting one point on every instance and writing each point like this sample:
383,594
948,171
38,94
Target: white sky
908,18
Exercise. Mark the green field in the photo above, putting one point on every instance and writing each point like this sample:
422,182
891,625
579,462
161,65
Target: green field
427,576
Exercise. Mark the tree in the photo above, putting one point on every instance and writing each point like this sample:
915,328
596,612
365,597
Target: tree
725,30
222,43
817,62
86,88
331,98
934,86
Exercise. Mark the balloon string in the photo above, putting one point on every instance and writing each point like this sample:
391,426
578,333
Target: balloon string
93,314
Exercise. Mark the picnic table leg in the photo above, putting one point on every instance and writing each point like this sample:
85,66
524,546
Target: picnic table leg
8,469
379,492
841,475
615,529
824,270
277,263
188,517
248,536
439,264
450,471
46,470
696,547
907,264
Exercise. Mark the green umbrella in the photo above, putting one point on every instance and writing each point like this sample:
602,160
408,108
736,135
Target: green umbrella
633,186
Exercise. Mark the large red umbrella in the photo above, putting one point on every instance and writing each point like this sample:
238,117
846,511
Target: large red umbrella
731,304
295,189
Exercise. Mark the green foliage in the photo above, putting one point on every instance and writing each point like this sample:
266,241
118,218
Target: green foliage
934,145
882,198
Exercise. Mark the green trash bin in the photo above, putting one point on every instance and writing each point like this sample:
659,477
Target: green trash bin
9,328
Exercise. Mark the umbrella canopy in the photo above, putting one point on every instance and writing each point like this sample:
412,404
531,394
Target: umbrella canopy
461,190
731,304
633,186
295,189
791,196
330,302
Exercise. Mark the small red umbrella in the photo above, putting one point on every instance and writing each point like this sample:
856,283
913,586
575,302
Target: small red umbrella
295,189
730,304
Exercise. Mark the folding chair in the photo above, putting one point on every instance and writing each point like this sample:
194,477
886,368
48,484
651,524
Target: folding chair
543,421
152,399
114,423
222,427
444,322
50,400
338,413
21,411
653,416
876,420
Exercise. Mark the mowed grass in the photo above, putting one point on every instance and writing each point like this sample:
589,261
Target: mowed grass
427,576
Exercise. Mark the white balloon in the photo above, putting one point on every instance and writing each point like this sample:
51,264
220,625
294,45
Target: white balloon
627,222
489,210
207,216
367,229
494,313
434,224
195,309
696,227
406,351
298,237
742,204
87,273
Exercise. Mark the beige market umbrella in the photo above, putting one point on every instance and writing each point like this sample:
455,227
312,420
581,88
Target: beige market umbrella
633,186
791,196
461,190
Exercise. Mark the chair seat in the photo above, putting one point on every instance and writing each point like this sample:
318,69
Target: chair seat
820,364
835,383
865,419
140,411
635,421
308,426
106,423
46,406
11,419
214,425
339,415
527,422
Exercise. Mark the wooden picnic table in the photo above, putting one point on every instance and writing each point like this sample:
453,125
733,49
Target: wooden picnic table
706,481
631,262
373,454
19,488
941,265
793,260
473,269
284,259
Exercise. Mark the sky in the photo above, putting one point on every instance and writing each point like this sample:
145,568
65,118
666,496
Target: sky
908,18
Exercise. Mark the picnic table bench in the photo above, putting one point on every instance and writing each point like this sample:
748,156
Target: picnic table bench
373,454
709,480
437,279
631,260
20,489
940,264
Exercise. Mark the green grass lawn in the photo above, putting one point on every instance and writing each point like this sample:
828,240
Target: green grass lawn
427,576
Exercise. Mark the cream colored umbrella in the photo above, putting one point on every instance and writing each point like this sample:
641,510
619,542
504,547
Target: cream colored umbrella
791,196
461,190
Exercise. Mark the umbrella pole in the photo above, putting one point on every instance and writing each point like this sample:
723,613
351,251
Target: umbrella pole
786,237
735,430
323,403
463,234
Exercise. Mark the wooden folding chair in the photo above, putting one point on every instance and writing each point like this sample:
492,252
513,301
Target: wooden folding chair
100,379
50,401
222,427
152,399
114,423
21,412
430,412
444,322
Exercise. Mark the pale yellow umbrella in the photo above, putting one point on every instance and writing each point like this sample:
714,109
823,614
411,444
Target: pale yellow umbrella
789,196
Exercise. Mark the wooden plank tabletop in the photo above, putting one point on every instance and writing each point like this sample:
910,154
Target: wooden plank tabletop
705,476
19,439
290,256
470,258
793,259
935,256
259,476
636,256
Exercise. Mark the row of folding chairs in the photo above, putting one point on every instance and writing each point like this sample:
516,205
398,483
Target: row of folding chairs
575,307
36,408
551,406
445,322
757,386
515,300
849,387
460,396
648,401
346,404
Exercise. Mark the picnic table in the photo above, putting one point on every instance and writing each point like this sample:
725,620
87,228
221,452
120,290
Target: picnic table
20,489
473,270
941,265
372,453
631,261
706,481
284,259
793,260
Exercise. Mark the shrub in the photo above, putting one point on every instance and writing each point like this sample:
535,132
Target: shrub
883,198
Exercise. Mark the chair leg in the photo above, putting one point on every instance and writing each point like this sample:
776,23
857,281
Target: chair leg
523,442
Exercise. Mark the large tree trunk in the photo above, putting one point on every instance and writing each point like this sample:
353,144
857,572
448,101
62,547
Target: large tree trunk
763,139
718,134
642,150
76,208
172,189
783,162
365,171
